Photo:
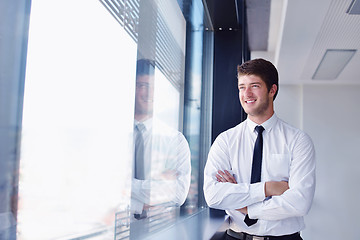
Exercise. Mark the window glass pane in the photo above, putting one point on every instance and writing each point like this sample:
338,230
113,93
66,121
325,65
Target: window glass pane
162,168
197,112
78,121
166,101
162,159
85,94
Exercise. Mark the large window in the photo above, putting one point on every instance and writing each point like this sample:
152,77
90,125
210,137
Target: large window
104,116
77,121
96,72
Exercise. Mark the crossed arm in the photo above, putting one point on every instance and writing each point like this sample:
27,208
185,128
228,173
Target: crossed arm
272,188
289,199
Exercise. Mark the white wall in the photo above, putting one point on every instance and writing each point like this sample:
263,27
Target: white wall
288,104
330,115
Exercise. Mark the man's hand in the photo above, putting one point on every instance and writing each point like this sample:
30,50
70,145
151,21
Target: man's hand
272,188
225,176
275,188
243,210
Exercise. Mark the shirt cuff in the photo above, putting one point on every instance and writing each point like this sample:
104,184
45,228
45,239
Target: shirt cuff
254,210
257,192
136,206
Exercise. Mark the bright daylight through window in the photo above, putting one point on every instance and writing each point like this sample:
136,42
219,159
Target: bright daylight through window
76,164
77,109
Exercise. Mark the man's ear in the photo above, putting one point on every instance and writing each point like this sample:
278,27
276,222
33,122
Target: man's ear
273,90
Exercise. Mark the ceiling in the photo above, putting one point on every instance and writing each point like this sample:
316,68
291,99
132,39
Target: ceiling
308,29
223,14
298,33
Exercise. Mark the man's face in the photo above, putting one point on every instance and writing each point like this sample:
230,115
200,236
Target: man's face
144,96
255,97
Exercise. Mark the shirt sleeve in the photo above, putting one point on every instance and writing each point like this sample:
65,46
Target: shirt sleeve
171,185
227,196
297,200
174,183
140,190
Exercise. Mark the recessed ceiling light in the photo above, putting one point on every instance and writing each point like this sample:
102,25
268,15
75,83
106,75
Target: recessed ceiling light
333,62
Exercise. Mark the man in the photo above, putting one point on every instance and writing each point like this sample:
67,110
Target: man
281,157
162,166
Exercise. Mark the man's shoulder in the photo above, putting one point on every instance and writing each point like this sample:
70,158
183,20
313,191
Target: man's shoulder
162,130
233,131
290,129
283,124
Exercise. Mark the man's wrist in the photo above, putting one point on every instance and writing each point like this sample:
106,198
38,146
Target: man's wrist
257,192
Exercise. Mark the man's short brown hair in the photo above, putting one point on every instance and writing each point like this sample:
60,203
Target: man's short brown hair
263,69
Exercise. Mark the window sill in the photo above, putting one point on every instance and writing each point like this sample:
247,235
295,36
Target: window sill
198,226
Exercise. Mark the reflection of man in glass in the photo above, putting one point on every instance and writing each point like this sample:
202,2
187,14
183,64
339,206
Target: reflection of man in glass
161,175
144,97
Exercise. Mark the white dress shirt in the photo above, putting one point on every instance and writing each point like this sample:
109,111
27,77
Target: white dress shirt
288,155
168,168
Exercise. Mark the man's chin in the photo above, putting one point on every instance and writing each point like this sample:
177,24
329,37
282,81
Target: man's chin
144,113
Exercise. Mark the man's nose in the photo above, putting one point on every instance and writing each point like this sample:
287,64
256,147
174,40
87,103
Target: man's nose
247,92
149,92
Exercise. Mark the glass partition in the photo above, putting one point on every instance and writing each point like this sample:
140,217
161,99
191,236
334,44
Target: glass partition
92,78
75,164
106,142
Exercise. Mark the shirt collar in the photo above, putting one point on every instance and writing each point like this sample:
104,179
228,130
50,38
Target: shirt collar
147,123
268,124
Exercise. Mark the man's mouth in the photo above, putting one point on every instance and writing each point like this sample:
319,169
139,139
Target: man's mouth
250,101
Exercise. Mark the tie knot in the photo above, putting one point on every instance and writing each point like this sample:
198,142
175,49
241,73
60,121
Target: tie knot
140,127
259,129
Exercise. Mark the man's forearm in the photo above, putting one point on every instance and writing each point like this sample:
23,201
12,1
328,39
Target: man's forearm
274,188
271,188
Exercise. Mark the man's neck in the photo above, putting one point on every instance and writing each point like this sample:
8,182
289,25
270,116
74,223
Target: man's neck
261,119
142,117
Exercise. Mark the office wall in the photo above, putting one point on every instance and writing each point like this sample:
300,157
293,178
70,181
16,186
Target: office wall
330,115
288,104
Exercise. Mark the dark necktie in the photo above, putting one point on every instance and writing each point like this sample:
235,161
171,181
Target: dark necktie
139,152
140,160
256,166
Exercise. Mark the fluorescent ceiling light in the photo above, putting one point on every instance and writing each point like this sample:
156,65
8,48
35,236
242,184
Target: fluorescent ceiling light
354,7
333,62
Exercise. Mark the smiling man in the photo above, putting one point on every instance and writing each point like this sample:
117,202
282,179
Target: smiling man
262,171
